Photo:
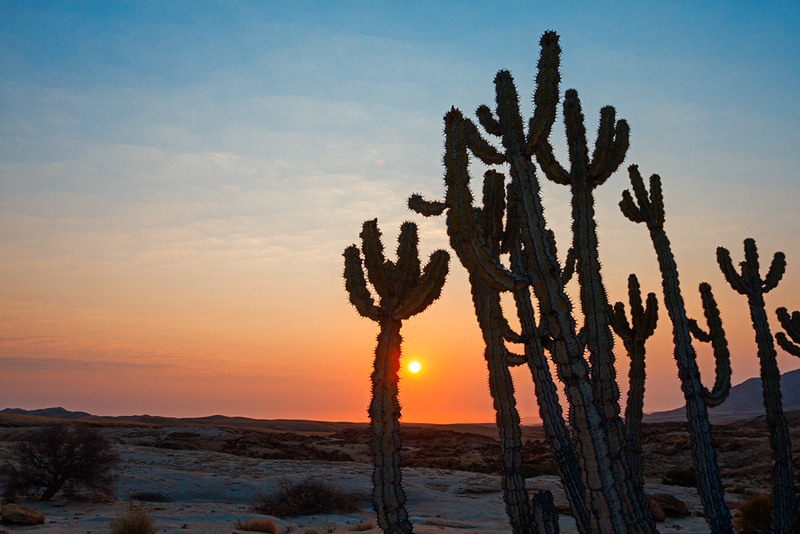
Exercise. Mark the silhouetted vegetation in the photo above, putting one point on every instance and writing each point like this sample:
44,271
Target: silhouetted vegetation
256,525
306,498
59,456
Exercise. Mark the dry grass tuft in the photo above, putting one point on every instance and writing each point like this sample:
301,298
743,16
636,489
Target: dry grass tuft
360,527
257,525
134,521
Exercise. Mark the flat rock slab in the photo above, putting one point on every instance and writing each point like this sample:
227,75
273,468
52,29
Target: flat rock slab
21,515
204,492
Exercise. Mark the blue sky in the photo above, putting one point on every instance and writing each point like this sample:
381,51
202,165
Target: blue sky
171,168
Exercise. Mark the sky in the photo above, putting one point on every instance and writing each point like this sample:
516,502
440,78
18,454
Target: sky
178,181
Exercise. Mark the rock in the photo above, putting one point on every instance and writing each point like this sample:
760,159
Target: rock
672,506
21,515
656,510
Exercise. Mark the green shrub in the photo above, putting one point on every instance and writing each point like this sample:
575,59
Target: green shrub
135,520
256,525
306,498
680,477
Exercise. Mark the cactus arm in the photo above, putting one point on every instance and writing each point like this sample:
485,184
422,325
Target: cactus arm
576,135
792,327
569,265
488,121
480,147
551,168
356,285
424,207
427,289
408,265
374,260
775,273
712,494
384,411
545,97
603,147
751,284
722,358
727,268
698,333
616,156
629,208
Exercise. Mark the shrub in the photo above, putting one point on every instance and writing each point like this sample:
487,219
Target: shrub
60,456
680,477
257,525
330,526
306,498
537,470
360,527
134,521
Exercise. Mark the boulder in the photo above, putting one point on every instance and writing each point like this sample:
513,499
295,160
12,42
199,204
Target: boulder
21,515
672,506
656,510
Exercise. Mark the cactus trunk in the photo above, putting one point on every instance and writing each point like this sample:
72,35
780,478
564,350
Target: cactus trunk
783,498
388,497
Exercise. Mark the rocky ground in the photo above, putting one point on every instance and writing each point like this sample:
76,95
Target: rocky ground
203,479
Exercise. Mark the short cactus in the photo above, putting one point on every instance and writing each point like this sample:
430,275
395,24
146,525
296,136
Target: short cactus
404,290
748,282
634,335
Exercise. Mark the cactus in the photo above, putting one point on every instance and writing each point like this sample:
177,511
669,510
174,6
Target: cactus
404,290
749,282
792,327
650,210
598,484
634,336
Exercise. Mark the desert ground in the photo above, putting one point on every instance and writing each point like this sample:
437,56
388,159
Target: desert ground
203,478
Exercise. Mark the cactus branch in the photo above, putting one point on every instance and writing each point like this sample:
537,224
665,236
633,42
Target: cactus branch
792,327
715,336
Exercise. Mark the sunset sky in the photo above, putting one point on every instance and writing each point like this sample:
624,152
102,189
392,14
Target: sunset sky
178,181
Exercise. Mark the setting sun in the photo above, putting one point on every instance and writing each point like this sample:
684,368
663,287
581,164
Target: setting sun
414,366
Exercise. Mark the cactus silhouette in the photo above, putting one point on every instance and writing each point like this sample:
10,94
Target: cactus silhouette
650,210
749,282
404,290
634,336
590,454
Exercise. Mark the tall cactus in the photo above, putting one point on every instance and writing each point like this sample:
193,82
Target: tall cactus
650,210
404,290
598,483
634,336
749,282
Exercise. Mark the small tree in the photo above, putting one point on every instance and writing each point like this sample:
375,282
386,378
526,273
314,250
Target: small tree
60,456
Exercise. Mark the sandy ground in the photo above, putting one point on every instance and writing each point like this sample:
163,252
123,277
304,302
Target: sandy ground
208,491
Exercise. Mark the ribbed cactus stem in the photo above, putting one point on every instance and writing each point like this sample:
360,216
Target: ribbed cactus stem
792,326
649,208
384,413
404,290
749,282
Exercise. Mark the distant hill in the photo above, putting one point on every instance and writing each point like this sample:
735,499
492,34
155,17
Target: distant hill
745,400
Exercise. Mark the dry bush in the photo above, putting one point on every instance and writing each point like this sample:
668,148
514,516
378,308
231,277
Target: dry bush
330,526
360,527
59,456
134,521
306,498
257,525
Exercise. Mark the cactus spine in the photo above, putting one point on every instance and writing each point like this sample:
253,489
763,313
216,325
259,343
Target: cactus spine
749,282
650,210
634,336
404,290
